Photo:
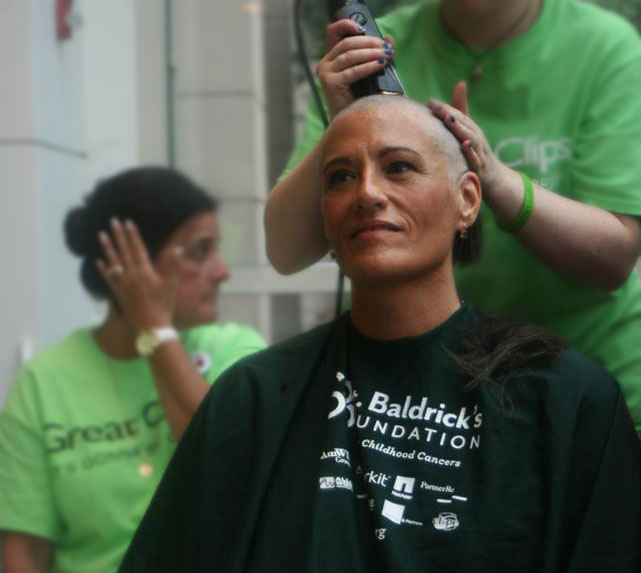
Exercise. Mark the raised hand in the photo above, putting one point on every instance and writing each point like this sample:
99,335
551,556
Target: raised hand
476,149
145,297
350,56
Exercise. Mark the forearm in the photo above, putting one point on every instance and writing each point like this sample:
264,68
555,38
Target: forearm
23,553
180,387
580,241
293,225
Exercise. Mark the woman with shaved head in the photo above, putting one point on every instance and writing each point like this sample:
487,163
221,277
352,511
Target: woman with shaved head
410,434
551,128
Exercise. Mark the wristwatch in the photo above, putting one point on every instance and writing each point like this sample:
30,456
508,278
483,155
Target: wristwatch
148,340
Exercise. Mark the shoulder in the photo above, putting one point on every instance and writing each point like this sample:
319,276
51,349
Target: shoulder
213,348
283,364
294,351
67,353
570,386
576,372
222,334
600,30
600,19
42,377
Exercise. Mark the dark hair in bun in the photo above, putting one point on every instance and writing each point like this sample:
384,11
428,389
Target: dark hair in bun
76,230
157,199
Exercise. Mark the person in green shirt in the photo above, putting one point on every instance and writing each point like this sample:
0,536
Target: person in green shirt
554,85
90,423
410,434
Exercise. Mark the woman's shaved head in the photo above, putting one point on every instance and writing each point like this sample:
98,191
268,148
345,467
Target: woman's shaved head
405,108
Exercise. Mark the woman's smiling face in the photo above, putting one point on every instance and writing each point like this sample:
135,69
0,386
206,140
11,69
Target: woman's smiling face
390,204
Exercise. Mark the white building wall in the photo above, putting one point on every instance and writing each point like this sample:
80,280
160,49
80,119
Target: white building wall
220,129
67,118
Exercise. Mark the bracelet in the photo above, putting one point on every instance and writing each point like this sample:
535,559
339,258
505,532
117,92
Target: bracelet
526,208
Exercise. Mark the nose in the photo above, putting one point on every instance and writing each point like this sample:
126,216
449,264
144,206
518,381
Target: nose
218,269
369,194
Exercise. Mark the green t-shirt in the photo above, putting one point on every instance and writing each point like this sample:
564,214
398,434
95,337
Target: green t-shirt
561,103
79,435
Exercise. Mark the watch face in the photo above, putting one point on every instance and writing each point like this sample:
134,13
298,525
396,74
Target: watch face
145,343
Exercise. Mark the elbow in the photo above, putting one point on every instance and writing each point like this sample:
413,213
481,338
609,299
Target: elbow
615,276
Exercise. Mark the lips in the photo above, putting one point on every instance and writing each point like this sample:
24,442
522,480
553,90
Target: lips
374,228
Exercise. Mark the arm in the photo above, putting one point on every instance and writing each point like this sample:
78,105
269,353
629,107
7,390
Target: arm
583,242
24,553
146,299
293,225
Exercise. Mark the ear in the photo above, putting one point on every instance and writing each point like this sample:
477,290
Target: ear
470,195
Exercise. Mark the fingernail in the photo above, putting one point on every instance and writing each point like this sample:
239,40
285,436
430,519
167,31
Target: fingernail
386,44
115,222
102,236
389,52
381,61
451,118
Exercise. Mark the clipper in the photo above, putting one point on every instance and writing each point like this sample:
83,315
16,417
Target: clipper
385,81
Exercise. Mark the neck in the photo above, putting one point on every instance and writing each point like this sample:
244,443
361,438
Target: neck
488,29
116,337
389,312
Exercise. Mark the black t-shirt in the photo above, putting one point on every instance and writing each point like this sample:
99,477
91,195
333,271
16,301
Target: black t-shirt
419,474
333,453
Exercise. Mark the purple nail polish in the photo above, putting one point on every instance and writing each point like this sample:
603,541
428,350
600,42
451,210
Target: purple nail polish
451,118
381,61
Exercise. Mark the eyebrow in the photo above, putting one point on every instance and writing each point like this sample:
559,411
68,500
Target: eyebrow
337,161
393,149
382,153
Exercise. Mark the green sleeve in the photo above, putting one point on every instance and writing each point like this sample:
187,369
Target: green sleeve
223,345
608,534
606,168
193,520
242,341
26,498
312,134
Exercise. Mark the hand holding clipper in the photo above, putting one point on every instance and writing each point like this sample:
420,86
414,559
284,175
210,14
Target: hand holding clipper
385,81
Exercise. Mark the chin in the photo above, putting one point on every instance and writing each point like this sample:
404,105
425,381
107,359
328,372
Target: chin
372,272
201,318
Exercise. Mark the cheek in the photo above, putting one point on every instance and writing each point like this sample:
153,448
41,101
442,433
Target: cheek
332,212
188,283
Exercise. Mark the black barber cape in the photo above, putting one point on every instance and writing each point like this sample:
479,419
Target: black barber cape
335,453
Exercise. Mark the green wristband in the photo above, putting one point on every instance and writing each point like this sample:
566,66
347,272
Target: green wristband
526,208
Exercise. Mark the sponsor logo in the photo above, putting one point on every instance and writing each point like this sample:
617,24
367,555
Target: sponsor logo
446,522
393,511
339,455
330,482
344,399
404,487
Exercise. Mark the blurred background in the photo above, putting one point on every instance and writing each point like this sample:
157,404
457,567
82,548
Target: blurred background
211,87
